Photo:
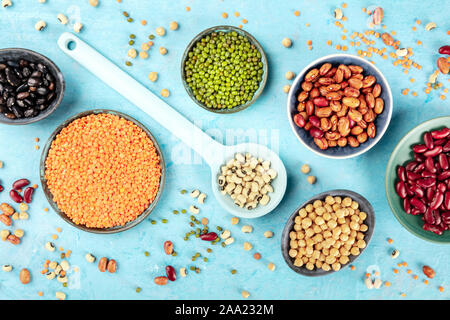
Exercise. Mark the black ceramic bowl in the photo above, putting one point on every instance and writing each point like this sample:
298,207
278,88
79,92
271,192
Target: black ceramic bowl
364,205
16,54
252,40
49,196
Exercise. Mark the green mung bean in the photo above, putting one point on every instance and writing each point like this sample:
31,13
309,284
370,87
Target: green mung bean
223,70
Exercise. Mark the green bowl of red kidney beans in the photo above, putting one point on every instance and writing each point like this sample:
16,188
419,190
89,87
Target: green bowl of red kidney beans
418,180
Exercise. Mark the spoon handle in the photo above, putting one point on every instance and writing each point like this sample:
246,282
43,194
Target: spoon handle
139,95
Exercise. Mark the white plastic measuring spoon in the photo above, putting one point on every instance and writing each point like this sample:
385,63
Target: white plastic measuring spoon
214,153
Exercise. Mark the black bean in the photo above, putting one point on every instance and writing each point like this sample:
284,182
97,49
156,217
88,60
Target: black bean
41,68
51,96
2,78
23,95
28,112
42,107
36,74
10,102
22,88
26,72
23,63
17,112
12,77
28,102
41,101
13,64
21,104
34,82
1,88
49,77
42,91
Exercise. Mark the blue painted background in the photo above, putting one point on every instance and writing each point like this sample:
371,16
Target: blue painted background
269,21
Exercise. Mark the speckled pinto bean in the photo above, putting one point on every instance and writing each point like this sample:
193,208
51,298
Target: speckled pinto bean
424,183
334,100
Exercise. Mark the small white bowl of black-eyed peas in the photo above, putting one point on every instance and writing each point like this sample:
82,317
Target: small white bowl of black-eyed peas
327,232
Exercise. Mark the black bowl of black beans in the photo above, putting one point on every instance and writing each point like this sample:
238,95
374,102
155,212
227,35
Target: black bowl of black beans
31,86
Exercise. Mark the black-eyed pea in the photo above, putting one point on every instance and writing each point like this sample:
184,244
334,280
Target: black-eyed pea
326,267
363,228
361,244
336,266
293,253
354,251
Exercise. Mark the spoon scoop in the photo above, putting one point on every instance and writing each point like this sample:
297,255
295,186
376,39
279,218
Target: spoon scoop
214,153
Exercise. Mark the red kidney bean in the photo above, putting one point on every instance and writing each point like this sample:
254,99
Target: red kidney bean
441,134
408,190
444,50
1,188
406,205
437,201
428,217
15,196
401,173
442,187
19,184
28,194
420,148
316,132
430,194
299,120
428,139
447,200
418,204
419,157
443,161
429,164
412,175
446,147
432,228
418,191
209,236
315,121
411,165
433,152
401,189
419,168
415,212
171,273
426,182
446,217
440,142
427,174
444,175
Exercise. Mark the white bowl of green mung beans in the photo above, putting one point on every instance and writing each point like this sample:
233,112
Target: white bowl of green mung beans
224,69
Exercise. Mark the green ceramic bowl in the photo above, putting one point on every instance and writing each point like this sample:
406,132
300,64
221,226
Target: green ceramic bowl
400,156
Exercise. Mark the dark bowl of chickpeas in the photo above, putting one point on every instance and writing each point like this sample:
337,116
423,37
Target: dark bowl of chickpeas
224,69
327,232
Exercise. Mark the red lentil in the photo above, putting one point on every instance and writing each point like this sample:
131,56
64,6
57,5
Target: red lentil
89,174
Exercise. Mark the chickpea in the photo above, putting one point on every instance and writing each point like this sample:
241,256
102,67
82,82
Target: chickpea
293,244
286,42
165,93
326,267
317,204
173,25
336,266
312,215
298,262
347,202
302,212
360,236
354,251
309,266
305,169
160,31
311,179
309,208
361,244
153,76
344,260
329,200
354,225
289,75
363,228
293,253
300,235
